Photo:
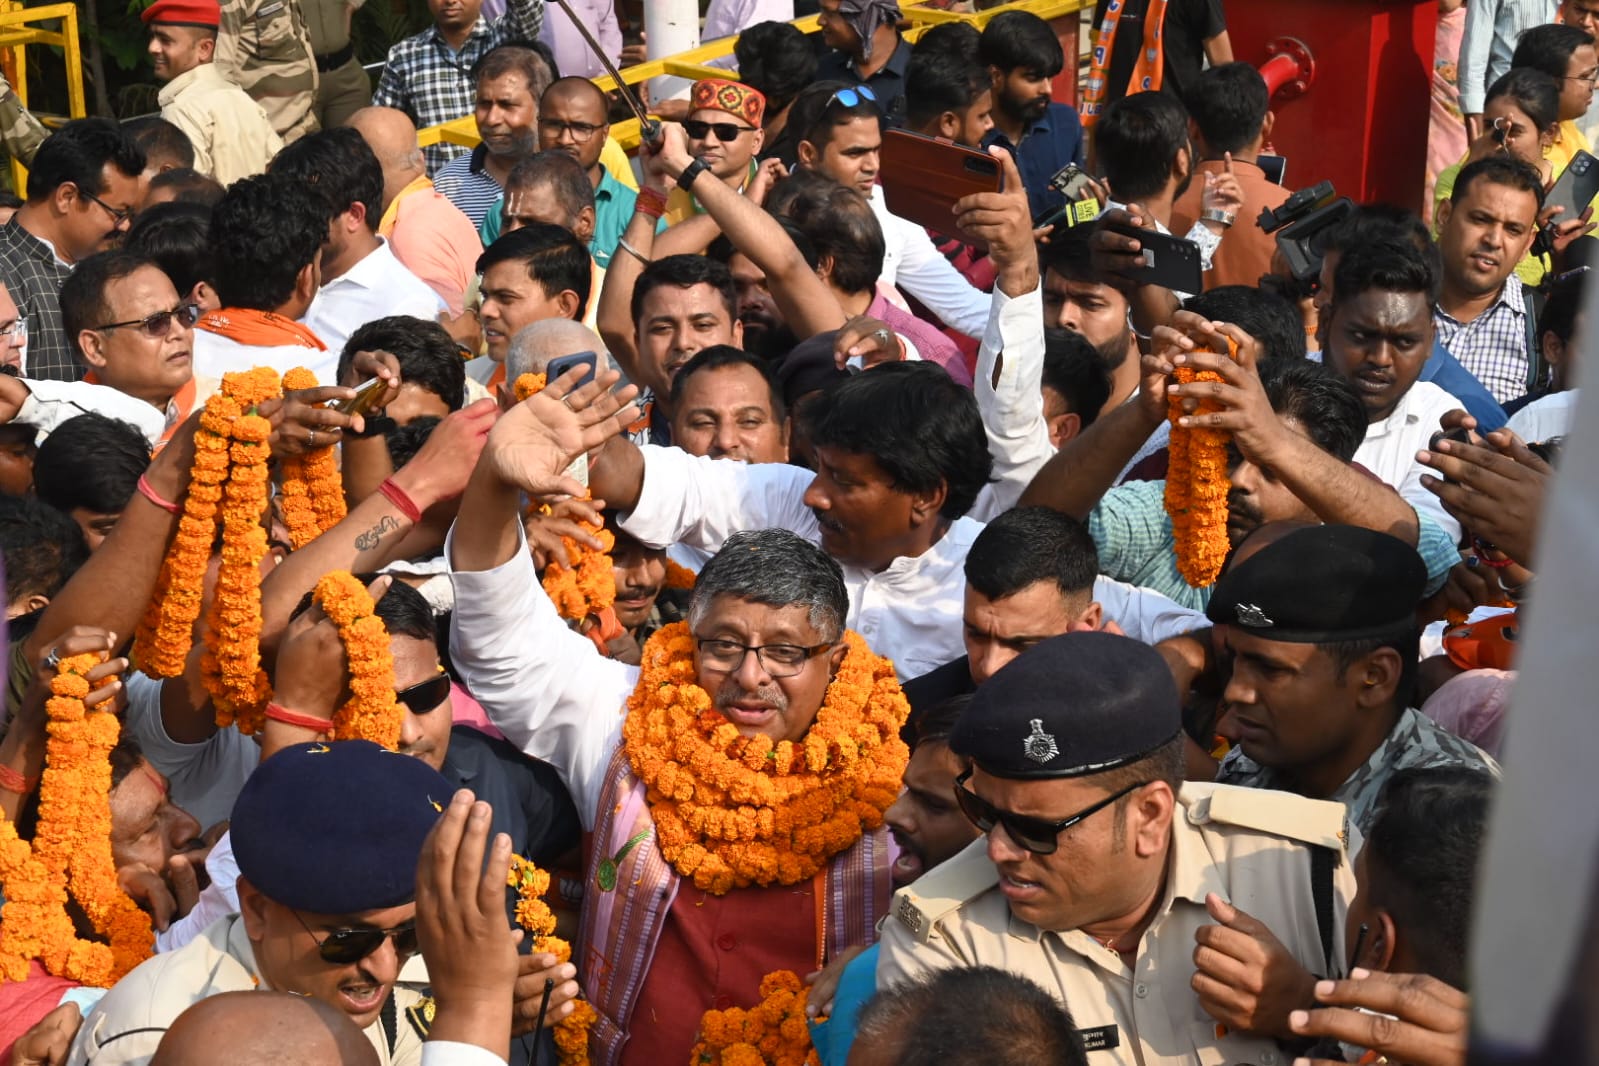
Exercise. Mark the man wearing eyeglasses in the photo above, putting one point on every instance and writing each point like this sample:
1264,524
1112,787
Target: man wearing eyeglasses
572,119
1182,922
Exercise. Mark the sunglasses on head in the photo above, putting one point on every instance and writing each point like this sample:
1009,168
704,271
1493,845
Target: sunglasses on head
852,96
342,947
158,324
725,131
1037,835
427,695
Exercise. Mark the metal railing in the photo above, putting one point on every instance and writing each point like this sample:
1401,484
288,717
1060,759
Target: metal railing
18,29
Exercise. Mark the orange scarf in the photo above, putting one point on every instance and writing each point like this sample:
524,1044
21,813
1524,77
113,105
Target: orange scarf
1148,70
259,329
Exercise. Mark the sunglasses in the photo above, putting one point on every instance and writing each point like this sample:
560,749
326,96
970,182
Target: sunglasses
426,696
725,131
156,326
342,947
851,96
1038,835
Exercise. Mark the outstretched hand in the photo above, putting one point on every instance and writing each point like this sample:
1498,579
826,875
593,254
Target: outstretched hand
1408,1018
534,442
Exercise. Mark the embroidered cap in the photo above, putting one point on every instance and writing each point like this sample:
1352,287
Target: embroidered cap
336,828
734,97
1072,705
184,13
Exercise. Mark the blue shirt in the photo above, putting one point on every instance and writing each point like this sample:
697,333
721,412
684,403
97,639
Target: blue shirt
1046,146
1446,372
832,1038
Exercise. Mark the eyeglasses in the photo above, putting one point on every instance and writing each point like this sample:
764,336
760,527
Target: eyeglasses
427,695
1588,78
17,330
1038,835
342,947
851,96
779,660
121,215
156,326
580,131
725,131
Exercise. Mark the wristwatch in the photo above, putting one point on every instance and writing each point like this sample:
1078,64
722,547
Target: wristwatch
377,423
690,172
1215,214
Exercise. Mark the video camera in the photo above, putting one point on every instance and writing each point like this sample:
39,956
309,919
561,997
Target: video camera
1306,220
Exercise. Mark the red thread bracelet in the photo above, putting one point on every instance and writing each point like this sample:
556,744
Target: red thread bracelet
305,721
149,493
397,496
13,781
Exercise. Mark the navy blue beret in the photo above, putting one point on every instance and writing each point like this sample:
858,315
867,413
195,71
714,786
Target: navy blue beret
1323,584
336,828
1076,704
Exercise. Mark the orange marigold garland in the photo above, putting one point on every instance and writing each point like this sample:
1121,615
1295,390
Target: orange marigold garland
312,490
774,1032
679,577
372,713
732,811
534,915
1197,485
73,840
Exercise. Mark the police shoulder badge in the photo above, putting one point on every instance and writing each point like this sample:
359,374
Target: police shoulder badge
1039,745
1250,615
421,1015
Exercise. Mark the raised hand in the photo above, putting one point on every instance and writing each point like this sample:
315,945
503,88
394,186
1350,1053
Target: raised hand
300,424
1495,488
534,442
868,339
1244,977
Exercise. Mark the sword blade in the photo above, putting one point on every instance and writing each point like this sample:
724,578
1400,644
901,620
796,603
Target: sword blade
645,123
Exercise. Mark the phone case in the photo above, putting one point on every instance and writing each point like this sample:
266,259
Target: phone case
923,177
1170,262
1575,189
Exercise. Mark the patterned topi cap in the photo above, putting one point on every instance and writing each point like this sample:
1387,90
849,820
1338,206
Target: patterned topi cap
734,97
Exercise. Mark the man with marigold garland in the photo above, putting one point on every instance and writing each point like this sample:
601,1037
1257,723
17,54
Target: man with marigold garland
737,804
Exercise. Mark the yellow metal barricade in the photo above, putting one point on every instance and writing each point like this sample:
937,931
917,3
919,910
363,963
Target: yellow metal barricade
21,26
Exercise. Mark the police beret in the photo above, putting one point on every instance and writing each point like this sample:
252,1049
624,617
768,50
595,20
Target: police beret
184,12
1322,584
1071,705
336,828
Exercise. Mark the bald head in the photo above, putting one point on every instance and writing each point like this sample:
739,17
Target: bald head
534,346
262,1028
391,135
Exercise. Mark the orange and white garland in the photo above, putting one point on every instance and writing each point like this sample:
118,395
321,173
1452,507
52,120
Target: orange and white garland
371,713
771,1033
312,492
1197,486
534,915
71,851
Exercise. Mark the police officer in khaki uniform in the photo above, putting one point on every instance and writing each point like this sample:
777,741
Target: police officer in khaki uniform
1180,924
327,838
264,48
342,86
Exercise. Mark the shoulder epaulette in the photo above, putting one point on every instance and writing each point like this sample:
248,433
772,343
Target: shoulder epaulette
1283,814
944,888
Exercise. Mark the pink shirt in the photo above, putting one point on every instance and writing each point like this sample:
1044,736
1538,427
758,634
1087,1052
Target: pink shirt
930,341
434,240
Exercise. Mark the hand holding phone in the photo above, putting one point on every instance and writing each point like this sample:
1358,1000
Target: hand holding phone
365,398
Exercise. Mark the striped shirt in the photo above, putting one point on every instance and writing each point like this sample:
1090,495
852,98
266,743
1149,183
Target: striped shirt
465,180
1493,346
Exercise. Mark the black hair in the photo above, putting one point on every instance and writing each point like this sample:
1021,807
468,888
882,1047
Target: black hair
1073,368
970,1016
1503,170
1020,39
775,568
1385,266
1069,255
161,140
405,441
1027,545
1136,142
561,172
1549,48
554,258
82,300
188,187
1560,309
938,722
10,199
1319,399
718,356
775,59
405,611
960,39
79,152
427,355
943,76
91,461
914,422
817,109
685,272
177,236
1535,92
1405,641
266,230
1229,103
536,64
339,168
839,224
1265,316
1422,853
41,546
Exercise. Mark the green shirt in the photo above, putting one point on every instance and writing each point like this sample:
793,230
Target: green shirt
613,209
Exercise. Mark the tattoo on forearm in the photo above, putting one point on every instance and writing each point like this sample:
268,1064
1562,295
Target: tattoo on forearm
370,539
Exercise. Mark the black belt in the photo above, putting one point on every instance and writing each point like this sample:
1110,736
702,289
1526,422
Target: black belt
335,60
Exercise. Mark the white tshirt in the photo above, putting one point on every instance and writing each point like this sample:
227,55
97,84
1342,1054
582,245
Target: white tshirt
376,287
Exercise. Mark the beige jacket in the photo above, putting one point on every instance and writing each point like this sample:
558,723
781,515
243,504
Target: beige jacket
231,134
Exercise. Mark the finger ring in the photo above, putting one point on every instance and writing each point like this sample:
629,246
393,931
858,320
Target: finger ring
310,438
883,336
53,660
567,399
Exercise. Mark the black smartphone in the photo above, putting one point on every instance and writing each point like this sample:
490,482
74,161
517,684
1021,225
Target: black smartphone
1071,181
1275,167
1170,262
561,365
1576,187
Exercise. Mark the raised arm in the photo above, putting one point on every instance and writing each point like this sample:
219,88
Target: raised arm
614,315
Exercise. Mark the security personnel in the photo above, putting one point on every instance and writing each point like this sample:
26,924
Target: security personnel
342,86
264,48
327,839
1150,908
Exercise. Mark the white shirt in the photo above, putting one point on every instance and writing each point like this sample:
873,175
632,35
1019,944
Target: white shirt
455,1053
218,899
1390,448
911,612
912,262
376,287
1545,417
1013,407
204,778
51,403
215,355
727,17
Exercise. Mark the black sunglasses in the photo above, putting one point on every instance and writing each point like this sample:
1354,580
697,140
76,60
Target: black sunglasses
157,325
725,131
342,947
426,696
1038,835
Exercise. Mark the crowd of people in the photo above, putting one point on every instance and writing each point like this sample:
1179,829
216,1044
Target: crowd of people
815,636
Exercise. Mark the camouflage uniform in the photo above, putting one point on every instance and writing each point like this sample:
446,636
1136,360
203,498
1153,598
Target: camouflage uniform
263,46
19,130
342,86
1415,741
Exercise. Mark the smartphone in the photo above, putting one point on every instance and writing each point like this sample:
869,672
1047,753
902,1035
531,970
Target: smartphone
923,177
559,366
1071,181
1075,213
1576,187
1275,167
1170,262
365,398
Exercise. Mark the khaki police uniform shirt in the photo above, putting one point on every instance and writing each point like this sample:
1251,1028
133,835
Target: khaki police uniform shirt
128,1023
231,134
1245,845
263,46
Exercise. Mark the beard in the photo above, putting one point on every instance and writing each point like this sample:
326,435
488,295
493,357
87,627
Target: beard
1113,353
767,338
1243,517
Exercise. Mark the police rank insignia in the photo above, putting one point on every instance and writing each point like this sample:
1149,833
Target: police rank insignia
1250,615
1039,745
421,1015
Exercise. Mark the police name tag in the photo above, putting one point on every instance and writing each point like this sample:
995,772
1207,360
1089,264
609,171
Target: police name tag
1101,1039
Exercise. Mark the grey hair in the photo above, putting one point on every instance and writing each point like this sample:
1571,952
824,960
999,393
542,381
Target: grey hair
775,568
534,345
